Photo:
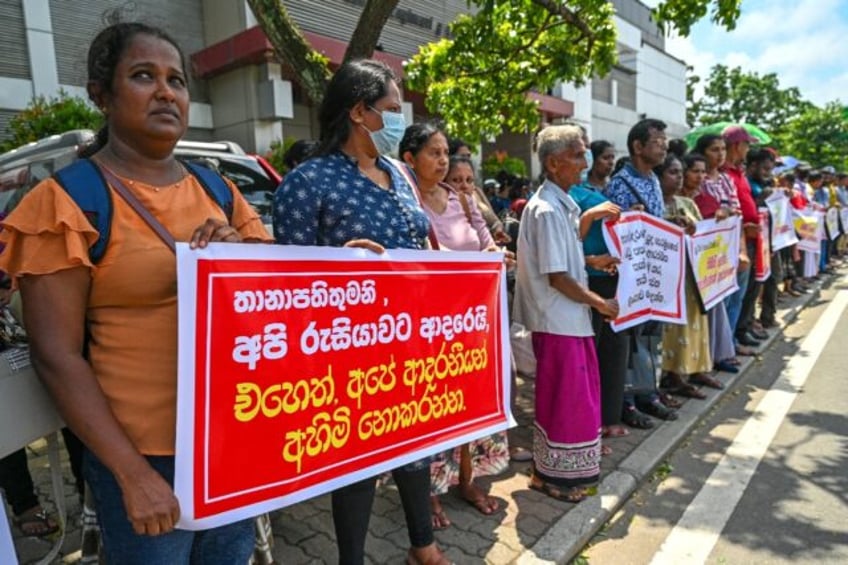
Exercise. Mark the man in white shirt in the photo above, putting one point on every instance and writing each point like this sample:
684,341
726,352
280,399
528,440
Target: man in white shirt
553,301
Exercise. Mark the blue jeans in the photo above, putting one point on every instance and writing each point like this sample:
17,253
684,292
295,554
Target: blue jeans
226,545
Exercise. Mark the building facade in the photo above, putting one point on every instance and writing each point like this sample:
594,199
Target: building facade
239,92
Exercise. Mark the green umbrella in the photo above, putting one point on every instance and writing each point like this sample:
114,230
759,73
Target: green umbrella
718,127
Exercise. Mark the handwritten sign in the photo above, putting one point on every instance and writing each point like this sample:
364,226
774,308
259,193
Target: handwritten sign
806,224
302,370
714,256
831,220
762,270
782,228
652,269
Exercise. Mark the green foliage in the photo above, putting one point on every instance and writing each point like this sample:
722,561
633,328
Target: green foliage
818,135
501,161
44,117
478,81
683,14
736,96
277,151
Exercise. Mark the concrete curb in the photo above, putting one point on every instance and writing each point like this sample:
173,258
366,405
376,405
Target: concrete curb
571,533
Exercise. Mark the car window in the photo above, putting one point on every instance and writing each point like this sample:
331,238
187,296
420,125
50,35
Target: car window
248,176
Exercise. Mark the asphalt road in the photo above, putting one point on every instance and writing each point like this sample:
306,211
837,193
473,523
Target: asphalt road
764,478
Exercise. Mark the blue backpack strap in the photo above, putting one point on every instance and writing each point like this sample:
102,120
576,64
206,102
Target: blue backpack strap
215,186
85,184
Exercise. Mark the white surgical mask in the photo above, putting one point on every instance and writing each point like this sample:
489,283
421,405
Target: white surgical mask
387,138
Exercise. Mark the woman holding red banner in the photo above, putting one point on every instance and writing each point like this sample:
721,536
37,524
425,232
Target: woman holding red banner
458,226
350,194
121,397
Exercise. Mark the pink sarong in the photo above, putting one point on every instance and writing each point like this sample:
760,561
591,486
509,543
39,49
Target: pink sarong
567,429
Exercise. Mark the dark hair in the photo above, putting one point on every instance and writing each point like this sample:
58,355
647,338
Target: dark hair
666,164
416,137
760,155
104,55
678,147
690,159
598,147
815,175
642,132
620,163
455,144
361,80
299,152
460,160
705,141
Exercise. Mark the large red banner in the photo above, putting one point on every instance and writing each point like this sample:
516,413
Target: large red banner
304,369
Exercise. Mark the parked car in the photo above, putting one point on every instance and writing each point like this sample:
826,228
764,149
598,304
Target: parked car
24,167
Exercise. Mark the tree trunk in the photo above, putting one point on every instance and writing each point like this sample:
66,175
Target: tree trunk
374,16
291,48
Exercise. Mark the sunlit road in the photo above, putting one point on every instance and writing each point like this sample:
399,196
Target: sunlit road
764,479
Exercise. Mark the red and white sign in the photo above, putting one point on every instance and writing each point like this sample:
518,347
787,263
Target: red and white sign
782,230
303,369
762,271
652,270
809,231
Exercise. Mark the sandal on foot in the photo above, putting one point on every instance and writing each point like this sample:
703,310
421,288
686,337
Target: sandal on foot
35,522
636,419
438,518
412,558
726,367
616,430
484,503
687,390
669,400
520,455
706,380
606,450
572,495
659,410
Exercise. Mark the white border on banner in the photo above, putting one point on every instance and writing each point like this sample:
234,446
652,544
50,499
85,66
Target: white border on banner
187,284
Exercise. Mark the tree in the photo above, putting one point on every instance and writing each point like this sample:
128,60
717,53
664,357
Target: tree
43,117
817,135
478,79
735,96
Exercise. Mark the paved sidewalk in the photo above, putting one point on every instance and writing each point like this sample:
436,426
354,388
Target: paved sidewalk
529,528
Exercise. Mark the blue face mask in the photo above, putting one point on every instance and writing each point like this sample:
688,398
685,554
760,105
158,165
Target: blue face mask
590,160
388,137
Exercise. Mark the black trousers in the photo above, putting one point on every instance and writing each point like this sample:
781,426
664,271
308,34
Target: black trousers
352,511
16,481
749,301
613,353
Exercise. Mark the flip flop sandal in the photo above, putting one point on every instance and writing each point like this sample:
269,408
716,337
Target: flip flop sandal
669,400
36,523
706,380
636,419
688,391
606,450
659,410
572,495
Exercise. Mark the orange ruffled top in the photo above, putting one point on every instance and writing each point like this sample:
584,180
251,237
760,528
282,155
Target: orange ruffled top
132,308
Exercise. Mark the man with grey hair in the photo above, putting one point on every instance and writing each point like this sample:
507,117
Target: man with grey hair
553,301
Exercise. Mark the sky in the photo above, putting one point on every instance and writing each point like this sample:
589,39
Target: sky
805,42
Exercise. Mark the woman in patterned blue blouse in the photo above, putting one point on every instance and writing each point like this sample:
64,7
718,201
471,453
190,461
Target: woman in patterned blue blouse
349,194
